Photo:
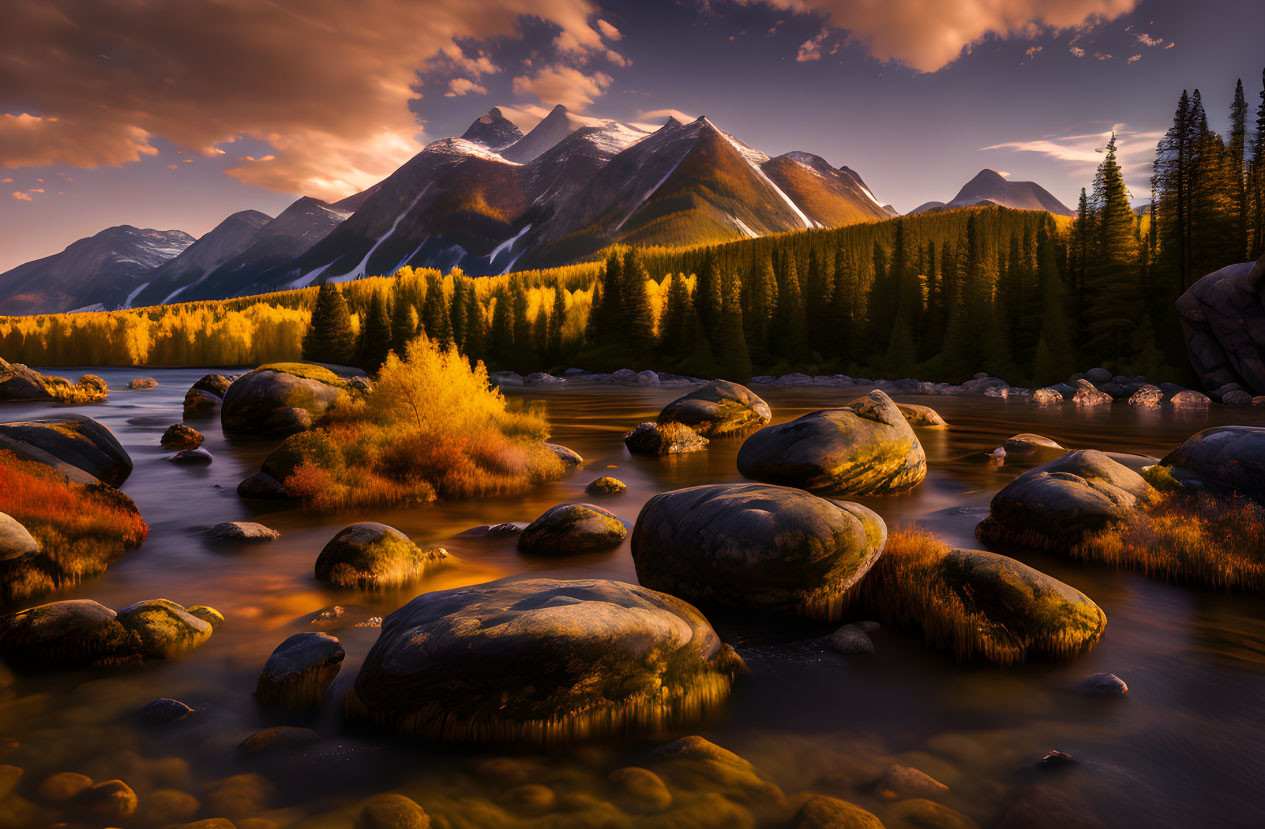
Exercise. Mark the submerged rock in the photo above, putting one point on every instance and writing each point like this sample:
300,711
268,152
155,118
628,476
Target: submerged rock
198,402
664,439
300,671
1104,685
822,812
541,660
71,439
142,384
392,811
179,436
756,547
277,738
572,528
851,639
1027,444
1225,459
718,408
192,457
372,556
279,399
1055,505
694,763
922,417
165,710
605,485
865,449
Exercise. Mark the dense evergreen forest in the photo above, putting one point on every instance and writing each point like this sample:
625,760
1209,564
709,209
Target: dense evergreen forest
1021,294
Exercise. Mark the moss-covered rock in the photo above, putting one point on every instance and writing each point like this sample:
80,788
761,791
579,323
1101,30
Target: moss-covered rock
664,439
300,671
568,529
866,449
1056,505
372,556
1226,459
180,436
207,614
241,532
757,547
978,605
109,801
606,485
718,408
279,399
163,629
541,660
71,439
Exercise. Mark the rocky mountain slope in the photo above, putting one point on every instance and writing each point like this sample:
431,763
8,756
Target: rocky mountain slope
991,187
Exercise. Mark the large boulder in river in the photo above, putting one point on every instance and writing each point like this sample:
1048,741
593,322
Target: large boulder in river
1223,318
867,448
718,408
664,439
572,528
1226,459
180,436
1056,505
372,556
279,399
216,384
71,439
756,547
541,660
163,629
20,383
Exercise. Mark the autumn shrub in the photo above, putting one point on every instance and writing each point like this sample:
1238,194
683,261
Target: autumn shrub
89,389
80,528
1218,541
431,427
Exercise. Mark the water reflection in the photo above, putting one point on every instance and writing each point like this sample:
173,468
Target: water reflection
1182,749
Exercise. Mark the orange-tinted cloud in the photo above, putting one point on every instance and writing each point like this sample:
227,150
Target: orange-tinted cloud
566,85
22,196
930,34
327,83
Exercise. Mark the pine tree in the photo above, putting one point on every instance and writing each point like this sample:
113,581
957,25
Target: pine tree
1112,278
1235,173
1053,358
818,294
404,324
789,331
757,315
524,356
636,317
677,309
435,313
707,293
501,334
729,345
557,322
375,339
845,314
1256,176
329,337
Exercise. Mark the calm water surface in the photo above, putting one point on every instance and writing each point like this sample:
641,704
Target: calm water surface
1186,747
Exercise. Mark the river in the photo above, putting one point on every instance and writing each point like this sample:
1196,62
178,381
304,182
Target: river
1183,748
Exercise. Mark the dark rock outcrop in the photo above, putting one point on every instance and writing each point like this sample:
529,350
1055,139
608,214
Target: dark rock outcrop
300,671
664,439
1223,318
371,556
1225,459
71,439
279,399
180,436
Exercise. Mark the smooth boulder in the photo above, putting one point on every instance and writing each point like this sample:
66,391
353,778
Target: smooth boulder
922,417
542,660
163,629
300,671
1056,505
605,485
71,439
15,540
180,436
756,547
718,408
1225,459
241,531
372,556
568,529
279,399
867,448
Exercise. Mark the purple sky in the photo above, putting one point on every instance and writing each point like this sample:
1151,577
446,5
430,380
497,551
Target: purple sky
175,113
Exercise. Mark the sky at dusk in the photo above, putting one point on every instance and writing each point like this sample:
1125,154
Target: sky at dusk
175,113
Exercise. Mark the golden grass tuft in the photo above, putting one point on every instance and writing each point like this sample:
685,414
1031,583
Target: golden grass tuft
1188,537
89,389
80,529
432,427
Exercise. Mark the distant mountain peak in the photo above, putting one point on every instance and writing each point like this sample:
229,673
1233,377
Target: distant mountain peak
991,187
493,130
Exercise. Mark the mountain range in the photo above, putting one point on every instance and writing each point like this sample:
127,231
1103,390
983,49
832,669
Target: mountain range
487,202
